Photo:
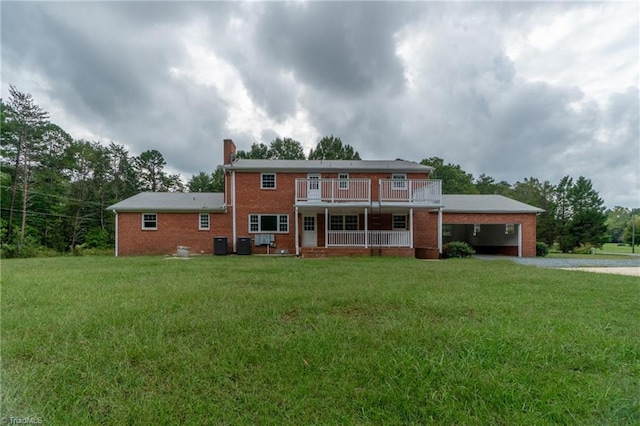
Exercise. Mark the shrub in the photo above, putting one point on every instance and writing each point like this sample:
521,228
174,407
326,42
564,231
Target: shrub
96,238
542,249
457,249
585,249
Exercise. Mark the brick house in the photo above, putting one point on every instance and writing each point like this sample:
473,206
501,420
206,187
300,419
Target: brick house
319,208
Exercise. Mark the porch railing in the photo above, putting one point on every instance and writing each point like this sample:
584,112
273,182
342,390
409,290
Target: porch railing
374,239
333,190
416,191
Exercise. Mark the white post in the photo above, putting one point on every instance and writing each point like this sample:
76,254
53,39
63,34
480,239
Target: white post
519,240
366,228
233,204
440,230
411,227
326,228
297,234
116,250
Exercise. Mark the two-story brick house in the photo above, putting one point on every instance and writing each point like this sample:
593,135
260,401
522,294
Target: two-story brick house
317,208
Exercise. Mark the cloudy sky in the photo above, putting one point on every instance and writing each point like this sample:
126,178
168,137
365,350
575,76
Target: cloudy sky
508,89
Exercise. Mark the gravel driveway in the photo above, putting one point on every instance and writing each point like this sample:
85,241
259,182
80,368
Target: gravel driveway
629,266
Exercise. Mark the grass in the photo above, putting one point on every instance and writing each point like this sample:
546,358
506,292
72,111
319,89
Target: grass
615,248
246,340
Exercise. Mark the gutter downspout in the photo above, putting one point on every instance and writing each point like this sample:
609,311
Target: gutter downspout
233,204
117,237
440,230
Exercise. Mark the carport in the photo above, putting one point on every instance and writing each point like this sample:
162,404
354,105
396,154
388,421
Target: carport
491,224
486,238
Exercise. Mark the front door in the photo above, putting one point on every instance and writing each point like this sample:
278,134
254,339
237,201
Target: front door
313,187
309,231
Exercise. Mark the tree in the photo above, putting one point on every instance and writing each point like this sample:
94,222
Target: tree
280,149
563,213
454,179
617,220
286,149
587,227
331,148
25,123
541,195
487,185
257,152
150,167
124,182
203,182
579,214
631,232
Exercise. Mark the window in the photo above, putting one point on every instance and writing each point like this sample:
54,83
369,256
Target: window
447,230
476,230
399,222
149,221
267,181
203,223
510,229
343,180
399,181
344,223
268,223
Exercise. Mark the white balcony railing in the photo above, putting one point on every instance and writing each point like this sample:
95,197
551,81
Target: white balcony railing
374,239
333,190
415,191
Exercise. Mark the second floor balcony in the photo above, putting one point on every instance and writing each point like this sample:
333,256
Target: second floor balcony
319,191
422,192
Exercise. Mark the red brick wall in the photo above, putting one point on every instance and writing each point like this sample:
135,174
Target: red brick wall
251,199
174,229
527,221
181,229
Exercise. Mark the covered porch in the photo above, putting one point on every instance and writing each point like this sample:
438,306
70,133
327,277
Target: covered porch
354,230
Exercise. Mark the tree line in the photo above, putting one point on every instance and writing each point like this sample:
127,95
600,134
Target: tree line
54,189
574,215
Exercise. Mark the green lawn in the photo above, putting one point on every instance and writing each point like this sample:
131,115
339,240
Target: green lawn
257,340
614,248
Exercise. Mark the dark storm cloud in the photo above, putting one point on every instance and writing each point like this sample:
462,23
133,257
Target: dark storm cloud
109,66
345,48
409,80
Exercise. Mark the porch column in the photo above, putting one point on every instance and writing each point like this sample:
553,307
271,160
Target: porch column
326,228
297,235
519,240
440,230
366,228
411,227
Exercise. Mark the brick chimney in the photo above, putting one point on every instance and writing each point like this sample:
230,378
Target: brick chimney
229,151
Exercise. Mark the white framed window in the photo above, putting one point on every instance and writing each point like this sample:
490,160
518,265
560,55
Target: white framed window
343,180
399,222
347,222
510,228
447,230
267,181
476,230
399,181
204,222
149,221
268,223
